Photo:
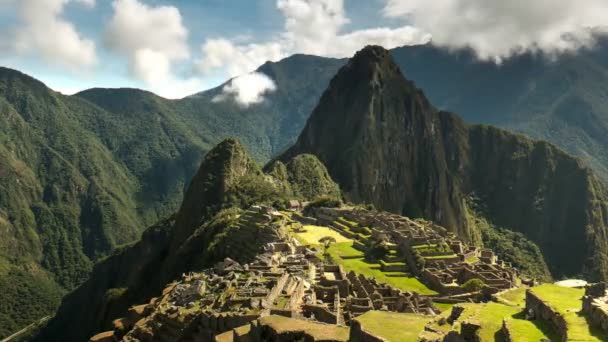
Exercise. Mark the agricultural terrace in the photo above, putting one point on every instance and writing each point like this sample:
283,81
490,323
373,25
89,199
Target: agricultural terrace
342,252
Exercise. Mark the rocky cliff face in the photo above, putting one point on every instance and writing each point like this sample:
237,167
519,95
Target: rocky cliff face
384,143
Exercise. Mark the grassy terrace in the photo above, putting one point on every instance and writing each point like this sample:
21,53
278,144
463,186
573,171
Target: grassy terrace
437,257
318,331
343,253
393,326
490,316
314,233
353,260
568,302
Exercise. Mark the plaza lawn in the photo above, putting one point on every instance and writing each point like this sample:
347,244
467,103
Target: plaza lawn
514,297
392,326
568,302
490,316
353,260
314,233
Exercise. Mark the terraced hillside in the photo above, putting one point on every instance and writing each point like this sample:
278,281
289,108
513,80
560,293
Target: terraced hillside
299,287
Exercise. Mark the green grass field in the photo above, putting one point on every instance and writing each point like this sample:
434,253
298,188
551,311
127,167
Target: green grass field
568,302
392,326
490,316
353,260
314,233
515,297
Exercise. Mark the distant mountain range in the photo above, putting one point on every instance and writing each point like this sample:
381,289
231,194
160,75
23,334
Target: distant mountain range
383,143
85,174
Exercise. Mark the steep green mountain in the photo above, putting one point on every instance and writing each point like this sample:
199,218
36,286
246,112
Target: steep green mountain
84,174
384,143
272,126
64,198
228,179
561,100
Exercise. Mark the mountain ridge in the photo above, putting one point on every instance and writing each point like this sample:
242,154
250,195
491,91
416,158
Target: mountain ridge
384,143
222,185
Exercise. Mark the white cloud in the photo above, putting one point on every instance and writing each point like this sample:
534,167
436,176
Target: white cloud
45,33
152,38
247,89
500,29
238,59
311,27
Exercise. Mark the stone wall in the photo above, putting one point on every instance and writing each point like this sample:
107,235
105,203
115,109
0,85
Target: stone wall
506,333
358,334
595,305
224,322
540,310
321,313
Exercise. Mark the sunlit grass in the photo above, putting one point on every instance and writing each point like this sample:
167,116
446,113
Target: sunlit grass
392,326
353,260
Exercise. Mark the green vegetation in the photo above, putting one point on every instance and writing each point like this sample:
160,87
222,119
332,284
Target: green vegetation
26,295
491,315
515,248
443,306
568,302
309,178
377,251
324,201
433,248
312,235
515,297
81,175
392,326
473,285
354,260
522,184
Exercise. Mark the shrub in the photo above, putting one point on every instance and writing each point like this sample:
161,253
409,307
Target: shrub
473,285
324,201
377,251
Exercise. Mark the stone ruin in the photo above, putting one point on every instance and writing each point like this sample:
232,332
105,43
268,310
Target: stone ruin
288,279
445,269
595,305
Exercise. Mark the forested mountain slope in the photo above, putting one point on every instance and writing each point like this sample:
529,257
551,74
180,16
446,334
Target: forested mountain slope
384,143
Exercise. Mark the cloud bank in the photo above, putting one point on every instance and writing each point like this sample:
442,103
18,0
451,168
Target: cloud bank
496,30
311,27
45,33
152,39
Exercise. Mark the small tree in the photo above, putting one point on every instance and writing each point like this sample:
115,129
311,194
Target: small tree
419,260
378,250
473,285
323,201
327,241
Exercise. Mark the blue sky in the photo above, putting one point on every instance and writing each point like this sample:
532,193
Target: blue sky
180,47
241,22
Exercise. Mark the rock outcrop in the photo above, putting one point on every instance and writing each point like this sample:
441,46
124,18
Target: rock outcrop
384,143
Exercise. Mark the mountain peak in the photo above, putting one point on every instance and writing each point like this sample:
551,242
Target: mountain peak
372,62
373,53
223,165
